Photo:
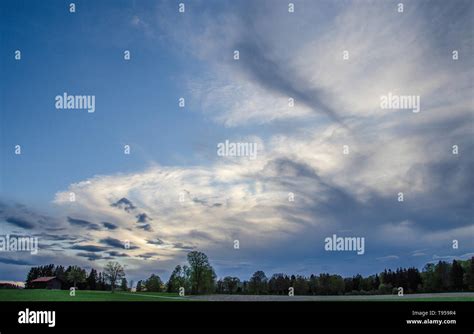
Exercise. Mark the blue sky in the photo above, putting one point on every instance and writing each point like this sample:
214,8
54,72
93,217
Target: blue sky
62,52
282,55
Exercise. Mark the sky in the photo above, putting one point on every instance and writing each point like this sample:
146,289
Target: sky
343,156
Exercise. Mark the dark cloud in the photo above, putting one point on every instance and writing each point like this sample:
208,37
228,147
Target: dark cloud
272,74
90,256
206,203
143,218
21,216
15,262
155,242
57,237
148,255
109,226
146,227
54,229
285,167
180,245
336,202
195,234
124,204
117,254
83,223
20,222
56,247
89,248
200,201
116,243
113,242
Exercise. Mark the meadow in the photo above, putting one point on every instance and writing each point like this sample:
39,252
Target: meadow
120,296
84,295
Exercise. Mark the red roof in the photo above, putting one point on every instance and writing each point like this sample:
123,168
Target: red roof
43,279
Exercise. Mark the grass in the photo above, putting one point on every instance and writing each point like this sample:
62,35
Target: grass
84,295
432,299
98,296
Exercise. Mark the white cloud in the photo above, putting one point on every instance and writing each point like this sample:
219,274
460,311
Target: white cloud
390,151
388,258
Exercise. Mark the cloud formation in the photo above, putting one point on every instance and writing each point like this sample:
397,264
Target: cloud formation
334,163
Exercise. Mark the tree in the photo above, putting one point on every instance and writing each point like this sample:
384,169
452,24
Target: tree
469,275
376,283
230,284
36,272
60,274
139,286
336,284
101,282
123,284
428,278
366,283
153,284
442,276
180,278
245,287
32,274
47,270
413,279
385,288
279,284
202,274
330,284
113,272
76,275
357,282
258,283
301,285
92,280
456,276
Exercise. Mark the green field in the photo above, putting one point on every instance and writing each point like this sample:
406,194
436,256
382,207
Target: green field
91,296
436,299
86,295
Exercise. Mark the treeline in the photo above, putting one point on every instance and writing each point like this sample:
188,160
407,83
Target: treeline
9,286
198,277
440,277
70,276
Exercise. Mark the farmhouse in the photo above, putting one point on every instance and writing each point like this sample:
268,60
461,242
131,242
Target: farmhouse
51,282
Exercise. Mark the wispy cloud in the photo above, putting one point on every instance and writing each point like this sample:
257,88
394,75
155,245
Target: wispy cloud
164,211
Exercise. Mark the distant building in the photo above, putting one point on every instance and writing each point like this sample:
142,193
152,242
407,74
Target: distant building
9,285
51,282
